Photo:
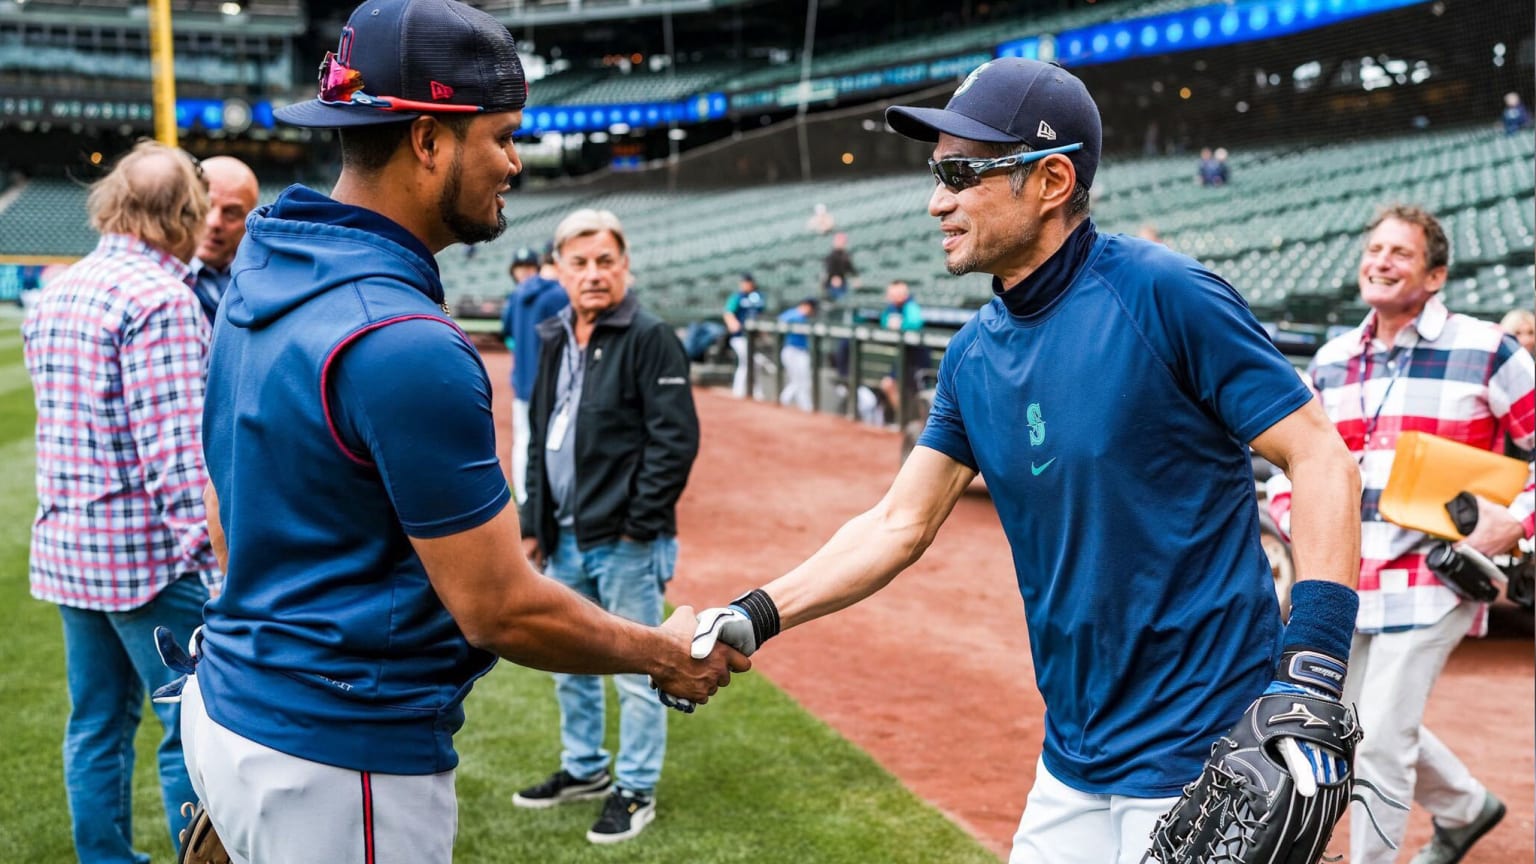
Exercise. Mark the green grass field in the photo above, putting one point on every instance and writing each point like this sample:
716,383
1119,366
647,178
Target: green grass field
750,778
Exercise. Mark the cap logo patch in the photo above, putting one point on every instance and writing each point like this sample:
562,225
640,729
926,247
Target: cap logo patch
971,78
1045,132
441,92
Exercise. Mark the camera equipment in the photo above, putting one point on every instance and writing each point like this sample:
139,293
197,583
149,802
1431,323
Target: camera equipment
1466,571
1463,574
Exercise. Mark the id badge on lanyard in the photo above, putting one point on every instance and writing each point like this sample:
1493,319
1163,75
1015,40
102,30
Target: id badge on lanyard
557,429
1397,367
560,424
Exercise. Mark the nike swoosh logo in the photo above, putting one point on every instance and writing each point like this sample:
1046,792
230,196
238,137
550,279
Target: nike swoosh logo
1038,469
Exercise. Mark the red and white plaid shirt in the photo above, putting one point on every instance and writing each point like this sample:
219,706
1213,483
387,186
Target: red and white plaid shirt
116,347
1449,375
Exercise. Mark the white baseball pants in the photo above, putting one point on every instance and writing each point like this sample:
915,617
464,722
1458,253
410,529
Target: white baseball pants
272,808
1064,826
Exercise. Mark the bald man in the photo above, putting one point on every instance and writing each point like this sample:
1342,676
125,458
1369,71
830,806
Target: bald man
232,194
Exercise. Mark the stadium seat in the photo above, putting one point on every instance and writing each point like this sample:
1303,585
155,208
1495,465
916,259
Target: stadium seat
1290,248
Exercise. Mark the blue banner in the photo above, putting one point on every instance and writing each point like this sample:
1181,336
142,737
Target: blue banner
635,115
1202,27
1029,48
1207,27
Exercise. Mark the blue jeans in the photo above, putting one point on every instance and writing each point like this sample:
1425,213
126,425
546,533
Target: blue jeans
627,579
110,659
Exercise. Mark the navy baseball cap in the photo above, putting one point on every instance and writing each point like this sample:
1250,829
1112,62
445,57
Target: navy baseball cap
527,256
1012,100
399,59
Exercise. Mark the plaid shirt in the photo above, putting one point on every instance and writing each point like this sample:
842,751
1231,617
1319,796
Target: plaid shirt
116,348
1448,375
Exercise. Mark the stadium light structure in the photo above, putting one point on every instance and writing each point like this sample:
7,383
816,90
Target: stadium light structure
162,62
807,54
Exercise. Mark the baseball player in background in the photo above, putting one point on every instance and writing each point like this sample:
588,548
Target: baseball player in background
1109,395
374,567
744,304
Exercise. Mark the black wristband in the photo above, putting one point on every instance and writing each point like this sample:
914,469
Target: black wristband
764,614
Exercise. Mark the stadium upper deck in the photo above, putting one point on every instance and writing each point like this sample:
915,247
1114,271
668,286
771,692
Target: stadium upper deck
1307,113
1290,248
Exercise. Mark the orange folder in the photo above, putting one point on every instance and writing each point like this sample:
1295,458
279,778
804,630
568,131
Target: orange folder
1428,471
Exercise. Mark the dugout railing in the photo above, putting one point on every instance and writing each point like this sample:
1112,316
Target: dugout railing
872,352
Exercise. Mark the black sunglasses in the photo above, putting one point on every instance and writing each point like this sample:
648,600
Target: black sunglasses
958,173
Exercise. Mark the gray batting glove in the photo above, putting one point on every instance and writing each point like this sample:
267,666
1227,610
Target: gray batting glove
745,625
728,624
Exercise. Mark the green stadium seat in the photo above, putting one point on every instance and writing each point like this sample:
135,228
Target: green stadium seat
1290,248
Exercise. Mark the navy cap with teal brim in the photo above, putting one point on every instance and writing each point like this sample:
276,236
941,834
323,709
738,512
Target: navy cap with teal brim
1012,100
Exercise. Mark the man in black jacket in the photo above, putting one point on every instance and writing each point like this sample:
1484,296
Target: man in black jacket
614,434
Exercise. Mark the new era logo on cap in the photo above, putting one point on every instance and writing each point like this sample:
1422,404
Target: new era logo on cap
441,91
1045,131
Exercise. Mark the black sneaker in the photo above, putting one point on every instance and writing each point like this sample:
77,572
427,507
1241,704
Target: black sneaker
561,788
625,815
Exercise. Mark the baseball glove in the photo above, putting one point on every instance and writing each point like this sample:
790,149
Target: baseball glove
200,844
1251,804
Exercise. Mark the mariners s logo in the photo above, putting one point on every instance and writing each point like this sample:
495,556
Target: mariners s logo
971,78
1036,424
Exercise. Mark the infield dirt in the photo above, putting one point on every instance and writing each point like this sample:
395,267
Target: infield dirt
932,676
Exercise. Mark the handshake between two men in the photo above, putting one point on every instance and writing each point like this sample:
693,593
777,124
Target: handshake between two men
745,625
689,684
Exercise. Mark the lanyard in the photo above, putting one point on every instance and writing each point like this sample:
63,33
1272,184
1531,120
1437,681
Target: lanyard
1365,374
575,361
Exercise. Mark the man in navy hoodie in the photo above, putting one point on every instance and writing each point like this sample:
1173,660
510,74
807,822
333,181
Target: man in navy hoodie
535,299
374,567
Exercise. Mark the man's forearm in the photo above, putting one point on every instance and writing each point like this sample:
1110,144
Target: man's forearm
867,552
1325,517
545,625
860,559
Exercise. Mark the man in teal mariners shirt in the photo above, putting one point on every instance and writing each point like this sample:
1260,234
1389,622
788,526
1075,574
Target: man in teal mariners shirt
1108,395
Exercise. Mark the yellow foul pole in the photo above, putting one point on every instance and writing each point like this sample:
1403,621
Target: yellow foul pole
162,65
